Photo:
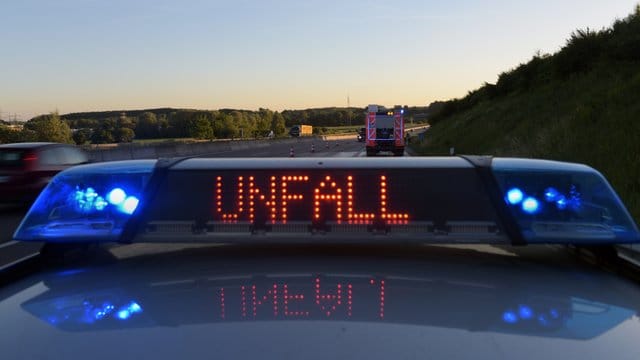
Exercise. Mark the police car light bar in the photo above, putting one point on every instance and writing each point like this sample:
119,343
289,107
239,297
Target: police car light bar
331,200
87,203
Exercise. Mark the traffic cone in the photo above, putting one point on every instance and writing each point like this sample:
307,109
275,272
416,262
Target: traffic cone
313,148
291,154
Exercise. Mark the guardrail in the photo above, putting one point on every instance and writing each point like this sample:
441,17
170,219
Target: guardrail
165,150
353,135
338,137
114,152
421,127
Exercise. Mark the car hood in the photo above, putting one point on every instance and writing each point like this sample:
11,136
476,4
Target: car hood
267,303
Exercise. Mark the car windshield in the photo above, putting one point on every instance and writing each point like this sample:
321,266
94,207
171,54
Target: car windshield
319,179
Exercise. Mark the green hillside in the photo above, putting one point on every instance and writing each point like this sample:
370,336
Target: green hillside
581,104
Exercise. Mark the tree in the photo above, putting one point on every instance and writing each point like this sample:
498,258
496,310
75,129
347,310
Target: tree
177,124
199,127
82,136
278,124
163,126
106,132
225,126
241,123
27,135
148,126
86,124
126,122
124,134
265,122
50,128
102,136
8,135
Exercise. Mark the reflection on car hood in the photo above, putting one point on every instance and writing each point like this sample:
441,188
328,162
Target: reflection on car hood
443,303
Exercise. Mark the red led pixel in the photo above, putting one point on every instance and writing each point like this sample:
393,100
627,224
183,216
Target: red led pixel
317,298
351,214
254,301
222,309
243,302
289,196
270,296
328,199
389,217
286,297
381,299
329,301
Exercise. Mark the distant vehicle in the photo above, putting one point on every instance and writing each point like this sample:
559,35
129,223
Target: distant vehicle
26,168
384,130
362,134
301,130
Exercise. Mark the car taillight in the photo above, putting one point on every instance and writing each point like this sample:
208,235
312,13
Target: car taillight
29,161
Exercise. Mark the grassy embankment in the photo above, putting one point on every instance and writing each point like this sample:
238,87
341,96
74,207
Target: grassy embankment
581,104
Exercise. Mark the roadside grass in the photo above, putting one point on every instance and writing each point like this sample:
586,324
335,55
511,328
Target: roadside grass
593,119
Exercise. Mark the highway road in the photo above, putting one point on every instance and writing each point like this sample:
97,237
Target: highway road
331,148
10,217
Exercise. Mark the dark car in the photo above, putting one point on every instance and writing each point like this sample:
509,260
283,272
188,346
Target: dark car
26,168
431,258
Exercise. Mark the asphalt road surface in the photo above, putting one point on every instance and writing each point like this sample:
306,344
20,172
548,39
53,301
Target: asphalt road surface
10,216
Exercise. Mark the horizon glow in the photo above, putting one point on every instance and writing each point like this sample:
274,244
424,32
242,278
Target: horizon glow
87,55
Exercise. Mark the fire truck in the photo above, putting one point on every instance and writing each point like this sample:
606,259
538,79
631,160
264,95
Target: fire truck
384,130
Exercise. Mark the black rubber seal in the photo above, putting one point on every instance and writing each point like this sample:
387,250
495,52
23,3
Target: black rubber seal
158,176
506,220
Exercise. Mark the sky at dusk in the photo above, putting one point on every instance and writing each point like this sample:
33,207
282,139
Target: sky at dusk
92,55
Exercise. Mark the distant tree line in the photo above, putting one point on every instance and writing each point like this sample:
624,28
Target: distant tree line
152,124
326,117
119,127
46,128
